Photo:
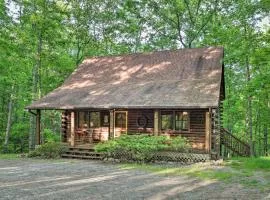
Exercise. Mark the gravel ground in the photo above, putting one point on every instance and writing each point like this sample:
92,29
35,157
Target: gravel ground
75,179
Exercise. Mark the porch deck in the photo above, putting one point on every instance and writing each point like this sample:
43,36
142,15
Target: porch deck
88,146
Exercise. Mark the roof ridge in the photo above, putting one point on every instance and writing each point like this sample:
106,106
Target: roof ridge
148,52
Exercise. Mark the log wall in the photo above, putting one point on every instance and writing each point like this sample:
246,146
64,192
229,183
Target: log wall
65,126
136,121
195,134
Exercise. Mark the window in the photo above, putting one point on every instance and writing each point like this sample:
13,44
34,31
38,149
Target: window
105,118
166,120
181,121
94,119
174,120
83,119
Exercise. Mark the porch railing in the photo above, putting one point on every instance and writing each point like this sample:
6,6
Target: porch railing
91,135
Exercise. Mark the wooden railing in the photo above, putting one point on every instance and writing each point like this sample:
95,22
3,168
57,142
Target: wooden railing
90,135
233,143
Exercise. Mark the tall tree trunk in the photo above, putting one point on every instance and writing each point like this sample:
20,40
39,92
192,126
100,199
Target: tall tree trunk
256,133
265,133
249,109
36,88
78,58
9,121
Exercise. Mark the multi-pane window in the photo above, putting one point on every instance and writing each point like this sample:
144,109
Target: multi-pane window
105,119
88,119
174,120
166,120
181,121
94,119
83,119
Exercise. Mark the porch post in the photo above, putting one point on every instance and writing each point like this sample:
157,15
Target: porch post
38,127
72,129
207,132
111,124
156,122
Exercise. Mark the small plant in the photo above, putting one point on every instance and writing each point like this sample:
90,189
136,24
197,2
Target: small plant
48,150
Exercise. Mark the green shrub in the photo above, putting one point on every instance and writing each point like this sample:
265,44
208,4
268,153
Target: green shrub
50,136
141,147
48,150
179,144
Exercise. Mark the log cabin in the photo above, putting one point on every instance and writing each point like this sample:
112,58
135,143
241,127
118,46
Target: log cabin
172,92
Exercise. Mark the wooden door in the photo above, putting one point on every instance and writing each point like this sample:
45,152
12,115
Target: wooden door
120,123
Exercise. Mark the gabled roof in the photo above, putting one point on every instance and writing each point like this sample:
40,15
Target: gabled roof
185,78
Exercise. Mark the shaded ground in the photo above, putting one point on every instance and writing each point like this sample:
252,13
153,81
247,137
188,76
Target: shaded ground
74,179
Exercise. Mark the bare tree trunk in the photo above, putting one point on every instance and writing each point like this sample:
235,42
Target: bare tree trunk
8,125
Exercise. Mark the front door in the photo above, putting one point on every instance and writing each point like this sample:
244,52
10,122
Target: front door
120,123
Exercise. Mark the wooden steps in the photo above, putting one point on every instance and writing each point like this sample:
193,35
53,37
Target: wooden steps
234,144
82,153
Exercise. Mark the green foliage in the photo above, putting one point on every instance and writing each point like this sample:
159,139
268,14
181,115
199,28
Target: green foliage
141,147
179,144
9,156
50,136
71,30
48,150
252,164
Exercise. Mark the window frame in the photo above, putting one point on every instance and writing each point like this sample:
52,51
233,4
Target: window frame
99,119
172,119
86,113
182,121
173,113
125,120
102,118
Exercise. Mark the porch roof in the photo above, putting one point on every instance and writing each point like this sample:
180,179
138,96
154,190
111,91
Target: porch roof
185,78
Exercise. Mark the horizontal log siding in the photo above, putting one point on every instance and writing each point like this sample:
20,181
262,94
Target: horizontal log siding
65,126
133,117
196,132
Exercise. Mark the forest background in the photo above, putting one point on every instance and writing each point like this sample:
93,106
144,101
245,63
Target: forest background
42,42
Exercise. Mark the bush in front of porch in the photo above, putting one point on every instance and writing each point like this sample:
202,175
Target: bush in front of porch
48,150
141,147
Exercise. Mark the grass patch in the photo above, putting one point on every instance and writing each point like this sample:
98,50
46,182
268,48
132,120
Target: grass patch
260,163
196,170
249,172
9,156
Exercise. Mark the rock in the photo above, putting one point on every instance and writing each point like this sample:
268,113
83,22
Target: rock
218,162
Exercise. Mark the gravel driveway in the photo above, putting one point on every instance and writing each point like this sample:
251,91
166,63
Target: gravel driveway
74,179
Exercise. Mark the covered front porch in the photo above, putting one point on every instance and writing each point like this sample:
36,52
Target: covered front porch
86,127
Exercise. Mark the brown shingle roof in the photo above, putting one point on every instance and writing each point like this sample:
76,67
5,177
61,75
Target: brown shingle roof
186,78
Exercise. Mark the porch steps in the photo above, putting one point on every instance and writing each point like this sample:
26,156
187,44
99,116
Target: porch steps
233,143
82,153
